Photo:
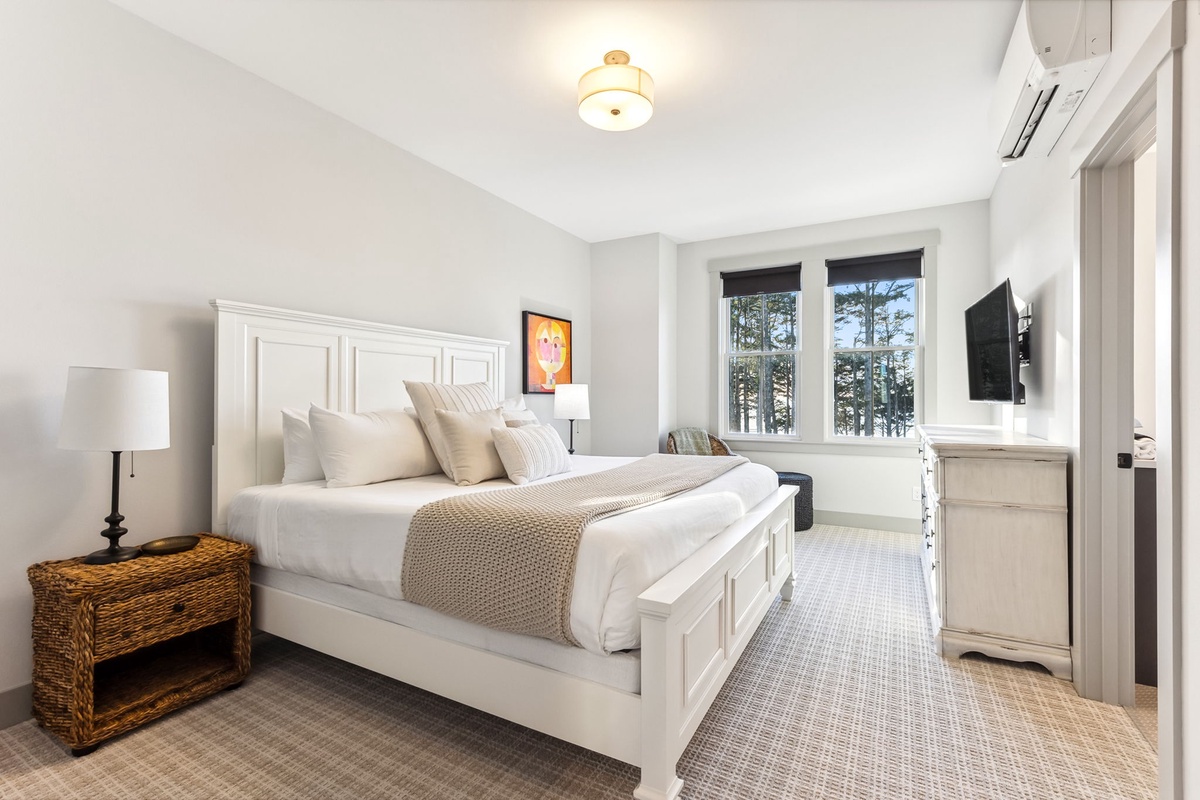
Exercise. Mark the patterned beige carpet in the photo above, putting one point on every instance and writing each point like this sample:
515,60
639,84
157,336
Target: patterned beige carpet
1144,713
839,696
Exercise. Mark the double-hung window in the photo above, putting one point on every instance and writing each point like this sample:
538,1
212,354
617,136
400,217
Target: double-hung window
876,336
761,350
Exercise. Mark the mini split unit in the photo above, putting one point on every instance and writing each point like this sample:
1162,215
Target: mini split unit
1057,49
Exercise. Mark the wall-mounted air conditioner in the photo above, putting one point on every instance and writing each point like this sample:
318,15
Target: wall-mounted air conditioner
1057,49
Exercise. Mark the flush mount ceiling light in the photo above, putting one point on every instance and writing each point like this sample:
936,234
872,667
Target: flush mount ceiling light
616,97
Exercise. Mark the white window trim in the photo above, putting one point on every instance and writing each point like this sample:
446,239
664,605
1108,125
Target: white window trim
723,356
918,375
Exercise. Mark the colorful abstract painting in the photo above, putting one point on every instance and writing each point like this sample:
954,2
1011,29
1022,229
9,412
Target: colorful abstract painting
546,361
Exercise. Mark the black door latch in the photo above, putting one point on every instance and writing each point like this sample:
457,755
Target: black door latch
1124,460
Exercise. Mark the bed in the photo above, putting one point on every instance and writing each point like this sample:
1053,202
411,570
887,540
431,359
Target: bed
640,706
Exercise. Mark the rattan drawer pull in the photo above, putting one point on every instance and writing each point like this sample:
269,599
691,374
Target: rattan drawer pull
177,608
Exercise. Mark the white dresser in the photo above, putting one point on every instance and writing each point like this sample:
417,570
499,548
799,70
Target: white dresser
994,516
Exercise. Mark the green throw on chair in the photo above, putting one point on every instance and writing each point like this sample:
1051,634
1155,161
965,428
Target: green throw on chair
696,442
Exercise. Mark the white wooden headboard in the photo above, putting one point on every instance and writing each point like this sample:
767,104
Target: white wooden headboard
269,359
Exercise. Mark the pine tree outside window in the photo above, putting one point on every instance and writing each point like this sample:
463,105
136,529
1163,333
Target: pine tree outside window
761,350
876,336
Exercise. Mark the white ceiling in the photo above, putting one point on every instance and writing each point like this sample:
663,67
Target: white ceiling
769,113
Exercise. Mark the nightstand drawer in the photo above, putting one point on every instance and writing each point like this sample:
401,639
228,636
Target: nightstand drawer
128,625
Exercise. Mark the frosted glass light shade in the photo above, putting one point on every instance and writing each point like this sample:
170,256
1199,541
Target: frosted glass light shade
571,401
115,410
616,97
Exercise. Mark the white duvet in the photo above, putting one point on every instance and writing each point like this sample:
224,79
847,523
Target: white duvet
355,536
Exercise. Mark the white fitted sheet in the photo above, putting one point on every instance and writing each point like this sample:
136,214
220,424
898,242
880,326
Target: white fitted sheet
355,536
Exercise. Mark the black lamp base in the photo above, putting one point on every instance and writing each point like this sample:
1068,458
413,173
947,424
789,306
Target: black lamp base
114,552
111,555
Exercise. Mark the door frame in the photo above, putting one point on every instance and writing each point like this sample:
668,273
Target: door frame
1144,105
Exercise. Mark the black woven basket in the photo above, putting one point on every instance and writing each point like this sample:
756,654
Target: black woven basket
804,497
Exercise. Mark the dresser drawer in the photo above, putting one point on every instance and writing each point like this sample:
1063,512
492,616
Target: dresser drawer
131,624
1005,481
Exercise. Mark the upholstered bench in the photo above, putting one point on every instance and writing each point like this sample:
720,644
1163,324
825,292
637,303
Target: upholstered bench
804,497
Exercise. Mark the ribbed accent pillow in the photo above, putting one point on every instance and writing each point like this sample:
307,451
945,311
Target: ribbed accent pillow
469,445
531,452
300,460
374,446
428,397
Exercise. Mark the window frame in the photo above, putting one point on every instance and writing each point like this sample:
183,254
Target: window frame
813,385
725,353
918,348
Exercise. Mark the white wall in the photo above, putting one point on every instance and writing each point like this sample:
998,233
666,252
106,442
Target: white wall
847,479
140,177
633,301
1033,242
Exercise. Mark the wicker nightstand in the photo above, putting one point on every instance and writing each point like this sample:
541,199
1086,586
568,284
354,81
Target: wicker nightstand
117,645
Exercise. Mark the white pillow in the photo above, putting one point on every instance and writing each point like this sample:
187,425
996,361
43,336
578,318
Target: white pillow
374,446
300,461
531,452
428,397
514,403
469,445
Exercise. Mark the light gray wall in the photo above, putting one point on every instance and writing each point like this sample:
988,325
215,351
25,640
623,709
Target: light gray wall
633,364
668,342
847,479
1033,243
140,177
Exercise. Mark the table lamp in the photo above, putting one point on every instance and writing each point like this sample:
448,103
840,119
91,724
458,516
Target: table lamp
115,410
571,403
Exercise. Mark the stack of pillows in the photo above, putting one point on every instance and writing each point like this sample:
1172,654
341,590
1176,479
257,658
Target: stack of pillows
457,429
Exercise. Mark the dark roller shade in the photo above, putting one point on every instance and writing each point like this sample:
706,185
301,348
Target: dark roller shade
770,280
887,267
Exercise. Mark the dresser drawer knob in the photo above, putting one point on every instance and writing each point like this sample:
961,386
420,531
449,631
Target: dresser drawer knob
177,608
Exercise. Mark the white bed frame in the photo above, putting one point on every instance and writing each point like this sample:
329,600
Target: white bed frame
696,621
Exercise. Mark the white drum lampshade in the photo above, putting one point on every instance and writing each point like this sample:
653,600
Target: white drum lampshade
616,96
115,410
571,403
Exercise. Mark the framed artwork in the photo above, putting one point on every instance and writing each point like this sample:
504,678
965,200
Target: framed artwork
546,357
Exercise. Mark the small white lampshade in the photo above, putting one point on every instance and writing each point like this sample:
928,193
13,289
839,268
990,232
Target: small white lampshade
571,401
115,410
616,97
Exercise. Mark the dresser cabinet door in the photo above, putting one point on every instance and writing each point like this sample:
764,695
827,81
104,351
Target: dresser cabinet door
1006,571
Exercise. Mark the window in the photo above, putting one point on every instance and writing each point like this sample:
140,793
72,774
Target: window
874,347
761,350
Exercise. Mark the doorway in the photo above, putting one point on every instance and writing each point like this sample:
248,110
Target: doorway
1143,110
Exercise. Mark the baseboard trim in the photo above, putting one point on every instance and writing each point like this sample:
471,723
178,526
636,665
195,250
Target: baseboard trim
871,521
16,705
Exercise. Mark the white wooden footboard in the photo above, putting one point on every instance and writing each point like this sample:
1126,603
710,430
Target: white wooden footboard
696,622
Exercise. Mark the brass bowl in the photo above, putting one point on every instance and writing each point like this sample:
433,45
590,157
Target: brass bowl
171,544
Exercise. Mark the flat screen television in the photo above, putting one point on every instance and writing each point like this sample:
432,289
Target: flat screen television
993,357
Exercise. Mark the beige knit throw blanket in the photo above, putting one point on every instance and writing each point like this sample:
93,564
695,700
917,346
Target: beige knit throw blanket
506,559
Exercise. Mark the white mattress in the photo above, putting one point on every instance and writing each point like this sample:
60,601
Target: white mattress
355,537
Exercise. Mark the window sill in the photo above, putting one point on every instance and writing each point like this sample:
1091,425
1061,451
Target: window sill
903,448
